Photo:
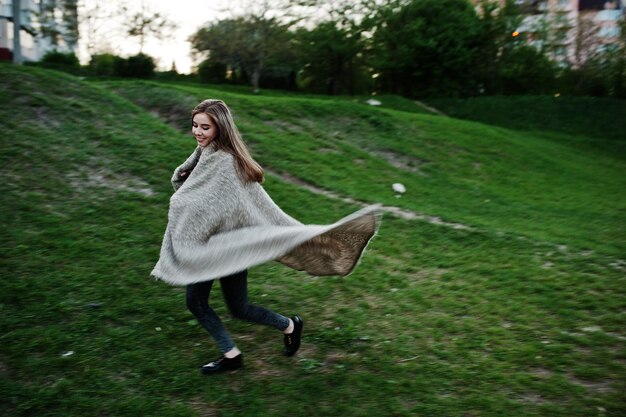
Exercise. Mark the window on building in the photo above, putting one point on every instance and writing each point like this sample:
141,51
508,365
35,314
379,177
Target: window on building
600,4
611,15
608,32
5,9
591,4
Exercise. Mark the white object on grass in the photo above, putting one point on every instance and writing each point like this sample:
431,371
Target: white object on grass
398,188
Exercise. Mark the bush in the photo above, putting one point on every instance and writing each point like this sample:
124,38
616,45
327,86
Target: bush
283,78
61,61
582,81
103,64
169,76
525,70
136,66
603,76
212,72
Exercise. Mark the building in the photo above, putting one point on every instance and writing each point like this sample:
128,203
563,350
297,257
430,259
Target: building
605,15
33,45
570,31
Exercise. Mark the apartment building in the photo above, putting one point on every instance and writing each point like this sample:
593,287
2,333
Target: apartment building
33,47
570,31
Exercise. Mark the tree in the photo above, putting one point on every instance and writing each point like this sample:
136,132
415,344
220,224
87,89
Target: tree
497,35
244,44
618,79
48,26
257,44
330,57
426,48
525,70
550,32
211,71
70,23
144,23
599,69
63,30
586,41
95,19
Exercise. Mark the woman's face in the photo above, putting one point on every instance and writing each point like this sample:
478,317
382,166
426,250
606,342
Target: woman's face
203,129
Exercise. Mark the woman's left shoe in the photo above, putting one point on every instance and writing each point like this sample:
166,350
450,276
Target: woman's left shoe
223,364
292,340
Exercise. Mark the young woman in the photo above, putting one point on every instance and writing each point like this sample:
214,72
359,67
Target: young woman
222,222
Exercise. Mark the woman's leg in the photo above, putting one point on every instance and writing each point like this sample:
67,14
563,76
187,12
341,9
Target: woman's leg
198,304
235,289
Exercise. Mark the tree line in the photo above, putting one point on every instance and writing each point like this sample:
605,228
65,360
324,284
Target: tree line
414,48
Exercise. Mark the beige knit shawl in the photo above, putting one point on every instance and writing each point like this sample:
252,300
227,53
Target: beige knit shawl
219,225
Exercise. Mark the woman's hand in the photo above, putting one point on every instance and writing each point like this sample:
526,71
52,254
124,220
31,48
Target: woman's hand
183,174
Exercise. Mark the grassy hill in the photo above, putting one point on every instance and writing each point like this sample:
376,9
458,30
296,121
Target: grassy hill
521,314
602,118
506,180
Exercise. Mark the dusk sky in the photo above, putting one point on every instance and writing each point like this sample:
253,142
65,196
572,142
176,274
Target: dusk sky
187,15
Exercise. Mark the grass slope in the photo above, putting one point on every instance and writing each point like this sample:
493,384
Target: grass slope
506,180
603,119
435,321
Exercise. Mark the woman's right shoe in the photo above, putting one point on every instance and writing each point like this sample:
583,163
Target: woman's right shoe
223,364
292,340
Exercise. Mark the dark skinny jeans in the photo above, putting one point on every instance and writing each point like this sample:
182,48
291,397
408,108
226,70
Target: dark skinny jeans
235,290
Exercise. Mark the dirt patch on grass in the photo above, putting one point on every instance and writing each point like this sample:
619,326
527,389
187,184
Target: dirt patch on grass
598,387
44,117
335,358
397,211
531,398
90,177
619,264
412,215
388,259
312,188
264,367
176,114
430,108
584,350
433,274
283,125
400,161
541,373
203,409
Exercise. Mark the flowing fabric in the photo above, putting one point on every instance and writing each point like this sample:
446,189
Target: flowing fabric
218,225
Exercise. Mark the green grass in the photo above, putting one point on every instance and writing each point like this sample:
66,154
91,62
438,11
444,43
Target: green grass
592,117
507,180
521,316
388,101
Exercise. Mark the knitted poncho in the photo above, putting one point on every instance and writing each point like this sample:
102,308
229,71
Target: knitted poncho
219,225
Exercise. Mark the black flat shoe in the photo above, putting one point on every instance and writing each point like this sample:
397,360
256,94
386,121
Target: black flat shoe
292,340
222,364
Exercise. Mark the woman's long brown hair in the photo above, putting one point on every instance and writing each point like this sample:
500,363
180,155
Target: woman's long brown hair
229,139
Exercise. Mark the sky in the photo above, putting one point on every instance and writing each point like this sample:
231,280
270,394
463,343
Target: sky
187,15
